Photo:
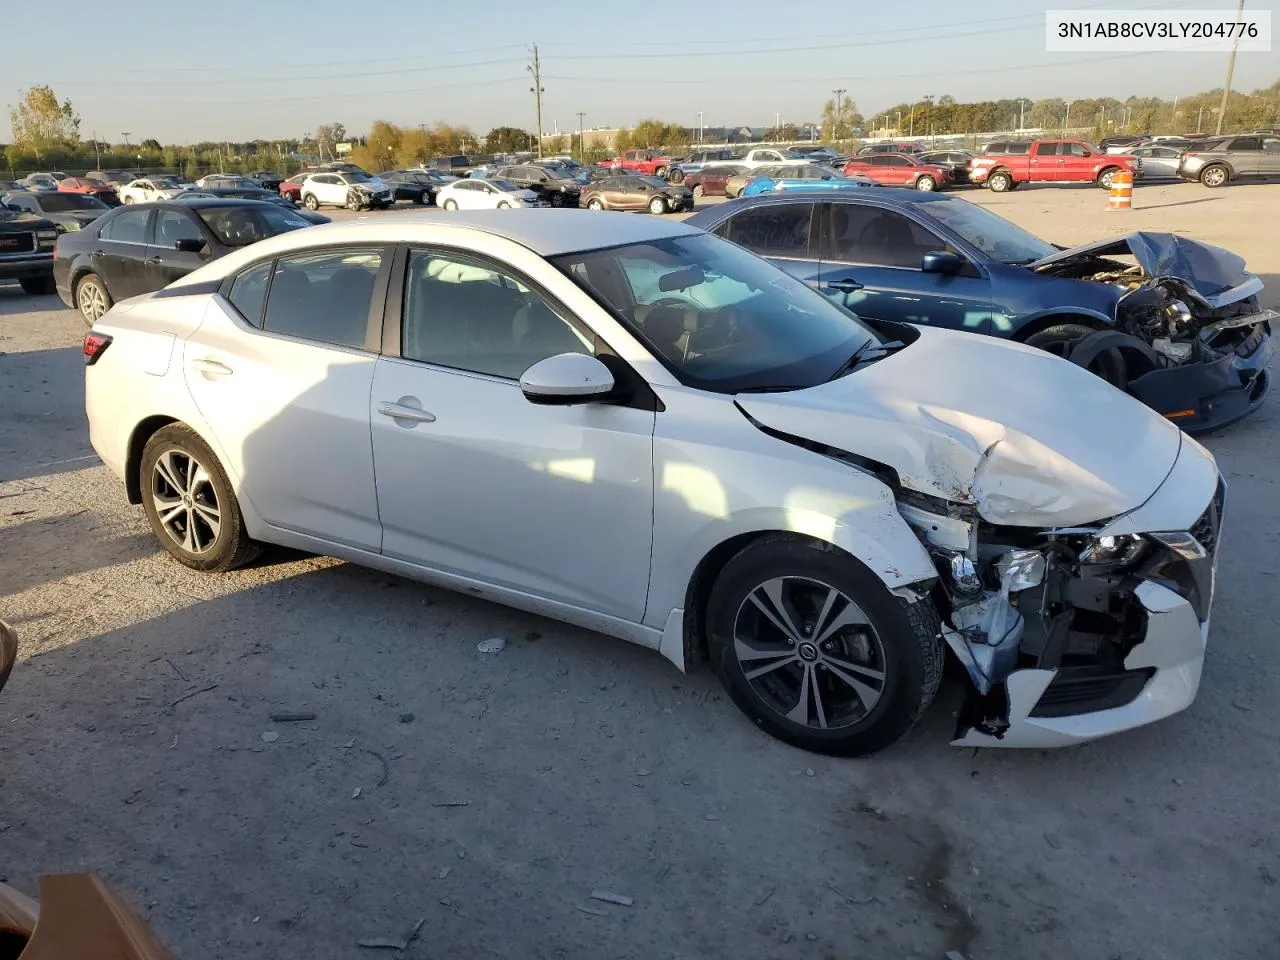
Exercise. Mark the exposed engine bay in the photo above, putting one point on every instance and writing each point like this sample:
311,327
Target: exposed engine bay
1184,303
1013,598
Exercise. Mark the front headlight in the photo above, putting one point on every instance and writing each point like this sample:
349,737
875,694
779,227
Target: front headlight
1120,551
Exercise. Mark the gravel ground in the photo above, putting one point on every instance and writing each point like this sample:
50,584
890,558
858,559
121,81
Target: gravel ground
492,794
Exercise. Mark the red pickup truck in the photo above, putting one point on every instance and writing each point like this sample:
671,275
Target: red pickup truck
1051,161
646,162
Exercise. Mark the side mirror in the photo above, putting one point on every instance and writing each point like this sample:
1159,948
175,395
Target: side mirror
567,378
940,261
8,651
189,245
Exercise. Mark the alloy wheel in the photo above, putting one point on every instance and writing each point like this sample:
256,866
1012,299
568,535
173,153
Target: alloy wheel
809,653
92,300
186,501
1214,177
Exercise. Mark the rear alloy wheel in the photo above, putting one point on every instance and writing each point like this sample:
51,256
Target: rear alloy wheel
677,176
451,204
595,203
422,198
999,183
1214,176
926,184
815,650
190,504
1062,339
698,191
128,199
660,172
556,198
503,205
657,206
92,298
310,202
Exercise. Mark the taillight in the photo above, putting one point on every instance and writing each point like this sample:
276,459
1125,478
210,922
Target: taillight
95,345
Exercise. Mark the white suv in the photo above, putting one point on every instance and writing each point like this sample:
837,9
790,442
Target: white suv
355,191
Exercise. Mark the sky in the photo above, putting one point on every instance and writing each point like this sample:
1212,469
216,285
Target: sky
255,70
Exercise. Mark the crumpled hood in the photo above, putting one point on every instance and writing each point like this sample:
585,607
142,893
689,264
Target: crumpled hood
1029,439
1209,270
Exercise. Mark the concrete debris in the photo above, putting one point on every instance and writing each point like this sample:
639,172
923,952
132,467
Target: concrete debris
492,645
452,803
1052,840
608,897
355,794
383,943
444,873
406,718
270,736
808,771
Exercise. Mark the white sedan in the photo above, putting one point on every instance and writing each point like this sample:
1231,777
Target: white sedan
637,427
147,189
475,193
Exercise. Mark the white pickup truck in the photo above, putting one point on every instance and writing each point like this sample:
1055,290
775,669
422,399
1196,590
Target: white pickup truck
771,157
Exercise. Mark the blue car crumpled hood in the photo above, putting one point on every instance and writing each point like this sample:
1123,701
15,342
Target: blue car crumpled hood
1210,271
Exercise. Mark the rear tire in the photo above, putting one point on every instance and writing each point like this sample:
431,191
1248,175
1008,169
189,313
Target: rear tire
310,202
201,525
92,298
595,203
677,176
791,623
451,204
1214,175
1061,339
698,192
37,286
128,200
999,182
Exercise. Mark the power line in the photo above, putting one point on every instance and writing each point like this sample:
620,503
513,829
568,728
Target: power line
467,84
322,76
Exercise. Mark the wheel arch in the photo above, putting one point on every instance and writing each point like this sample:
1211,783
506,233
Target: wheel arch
1070,315
143,432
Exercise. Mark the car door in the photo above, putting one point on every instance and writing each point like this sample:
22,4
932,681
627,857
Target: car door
1245,155
779,232
625,194
899,171
1269,157
870,263
281,368
1045,164
475,480
165,262
120,253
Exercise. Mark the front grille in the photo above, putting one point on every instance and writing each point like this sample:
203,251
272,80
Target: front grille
1076,690
1207,529
17,242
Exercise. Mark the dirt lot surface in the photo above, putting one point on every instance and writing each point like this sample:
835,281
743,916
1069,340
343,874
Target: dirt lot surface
491,795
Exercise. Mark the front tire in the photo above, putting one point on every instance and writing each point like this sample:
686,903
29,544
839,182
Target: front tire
128,199
1061,339
1106,176
1214,176
310,202
451,204
698,192
595,203
190,504
817,652
37,286
926,184
677,176
657,206
1000,183
92,298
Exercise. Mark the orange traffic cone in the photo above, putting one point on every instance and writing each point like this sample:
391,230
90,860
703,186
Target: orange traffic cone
1121,191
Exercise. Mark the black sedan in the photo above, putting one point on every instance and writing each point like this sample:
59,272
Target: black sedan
410,185
957,161
250,193
70,211
142,247
268,179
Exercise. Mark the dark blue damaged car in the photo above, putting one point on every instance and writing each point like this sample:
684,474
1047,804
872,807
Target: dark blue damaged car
1174,322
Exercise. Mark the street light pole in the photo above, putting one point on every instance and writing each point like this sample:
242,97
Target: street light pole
700,127
1067,120
1231,68
840,92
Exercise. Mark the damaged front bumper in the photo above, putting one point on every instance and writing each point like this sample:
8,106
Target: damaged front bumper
1072,634
1223,378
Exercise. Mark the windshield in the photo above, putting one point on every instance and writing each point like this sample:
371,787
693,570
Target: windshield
357,178
655,182
790,155
993,235
62,202
241,226
721,318
505,185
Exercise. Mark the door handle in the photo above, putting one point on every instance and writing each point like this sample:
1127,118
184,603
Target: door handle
210,368
400,411
847,285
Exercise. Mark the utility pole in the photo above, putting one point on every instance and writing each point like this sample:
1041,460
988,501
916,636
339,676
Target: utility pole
835,134
126,139
97,156
1200,119
701,128
535,68
1231,68
582,141
1067,120
777,124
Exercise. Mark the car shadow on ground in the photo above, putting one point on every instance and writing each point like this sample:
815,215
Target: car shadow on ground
42,401
1137,205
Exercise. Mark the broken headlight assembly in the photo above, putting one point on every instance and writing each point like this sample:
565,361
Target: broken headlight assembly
1115,551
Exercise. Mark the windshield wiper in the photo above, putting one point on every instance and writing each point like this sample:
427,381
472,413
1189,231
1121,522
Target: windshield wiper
775,388
1021,262
867,352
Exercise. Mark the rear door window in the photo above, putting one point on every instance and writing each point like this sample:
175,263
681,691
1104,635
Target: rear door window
128,226
1046,149
324,295
773,230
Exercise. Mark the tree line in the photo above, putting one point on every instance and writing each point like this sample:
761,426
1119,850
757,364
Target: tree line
47,132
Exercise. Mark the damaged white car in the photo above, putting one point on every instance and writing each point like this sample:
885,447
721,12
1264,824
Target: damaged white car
630,425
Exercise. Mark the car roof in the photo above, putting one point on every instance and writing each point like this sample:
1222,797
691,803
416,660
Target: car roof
881,197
